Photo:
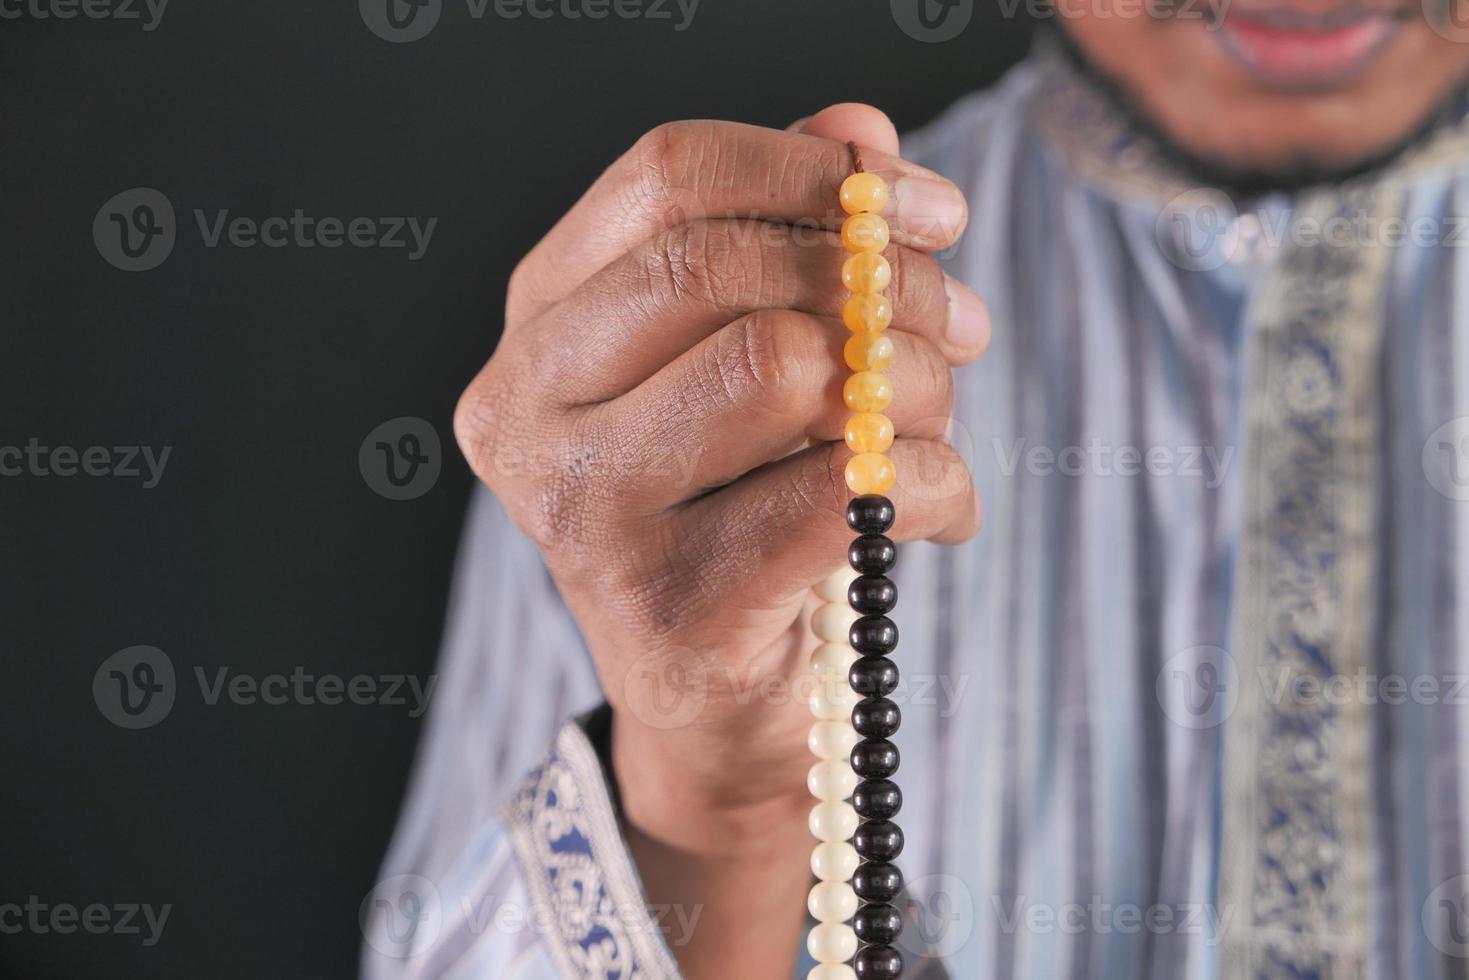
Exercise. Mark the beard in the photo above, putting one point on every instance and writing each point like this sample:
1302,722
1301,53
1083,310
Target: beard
1243,182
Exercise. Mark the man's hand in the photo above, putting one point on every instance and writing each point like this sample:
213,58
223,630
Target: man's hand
663,417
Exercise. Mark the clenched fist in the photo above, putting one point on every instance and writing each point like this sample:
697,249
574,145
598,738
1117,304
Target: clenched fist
663,416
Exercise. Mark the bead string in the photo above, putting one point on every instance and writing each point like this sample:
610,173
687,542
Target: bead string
857,718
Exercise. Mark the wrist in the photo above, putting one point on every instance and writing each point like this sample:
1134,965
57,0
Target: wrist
698,793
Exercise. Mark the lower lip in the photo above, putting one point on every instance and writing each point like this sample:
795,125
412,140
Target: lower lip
1297,57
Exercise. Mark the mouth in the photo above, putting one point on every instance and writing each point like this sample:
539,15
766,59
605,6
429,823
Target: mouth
1287,48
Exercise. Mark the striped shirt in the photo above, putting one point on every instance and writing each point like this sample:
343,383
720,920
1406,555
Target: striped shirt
1192,705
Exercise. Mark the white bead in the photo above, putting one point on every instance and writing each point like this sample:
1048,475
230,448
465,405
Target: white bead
832,901
831,780
832,820
831,971
831,739
832,698
833,588
833,658
831,942
834,860
833,621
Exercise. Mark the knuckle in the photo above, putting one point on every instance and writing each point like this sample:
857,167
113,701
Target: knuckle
569,496
669,165
550,484
701,263
750,366
556,513
678,267
478,428
517,291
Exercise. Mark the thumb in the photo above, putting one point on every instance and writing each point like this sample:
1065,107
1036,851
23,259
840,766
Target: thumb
852,122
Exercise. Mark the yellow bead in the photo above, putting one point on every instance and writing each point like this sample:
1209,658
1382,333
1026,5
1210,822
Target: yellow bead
866,272
867,391
869,432
870,473
867,313
864,192
868,351
865,233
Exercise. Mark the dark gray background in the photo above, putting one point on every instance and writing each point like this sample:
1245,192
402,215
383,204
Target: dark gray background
263,549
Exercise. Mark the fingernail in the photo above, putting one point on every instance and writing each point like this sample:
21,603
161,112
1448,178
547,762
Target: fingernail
931,209
969,321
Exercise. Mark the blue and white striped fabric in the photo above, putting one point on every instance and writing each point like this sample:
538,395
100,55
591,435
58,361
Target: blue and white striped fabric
1192,705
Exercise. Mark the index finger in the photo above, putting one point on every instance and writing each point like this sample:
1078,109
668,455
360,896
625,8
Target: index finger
685,171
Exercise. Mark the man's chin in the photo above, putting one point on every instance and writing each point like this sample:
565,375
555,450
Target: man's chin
1248,161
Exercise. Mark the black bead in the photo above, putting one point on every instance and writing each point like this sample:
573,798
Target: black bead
877,881
875,760
872,595
873,676
878,840
878,924
878,963
870,514
872,554
877,799
873,636
876,717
